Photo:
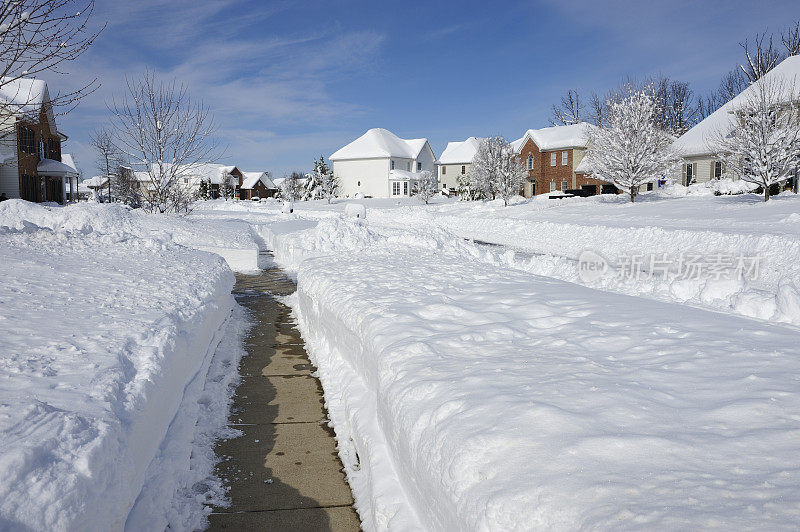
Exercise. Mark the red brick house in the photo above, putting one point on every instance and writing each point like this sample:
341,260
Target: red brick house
552,155
256,185
31,164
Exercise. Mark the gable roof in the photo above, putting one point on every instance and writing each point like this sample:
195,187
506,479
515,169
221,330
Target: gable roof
380,143
460,152
557,137
251,178
697,141
25,96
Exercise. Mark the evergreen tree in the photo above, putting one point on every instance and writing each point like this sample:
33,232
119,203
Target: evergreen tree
203,190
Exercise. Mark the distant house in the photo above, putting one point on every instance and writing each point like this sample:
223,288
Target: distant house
552,156
696,146
257,184
455,161
31,165
380,164
190,176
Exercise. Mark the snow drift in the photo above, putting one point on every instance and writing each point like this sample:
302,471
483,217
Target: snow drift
103,328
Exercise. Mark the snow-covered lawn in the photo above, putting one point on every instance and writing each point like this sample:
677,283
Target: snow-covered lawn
107,370
472,387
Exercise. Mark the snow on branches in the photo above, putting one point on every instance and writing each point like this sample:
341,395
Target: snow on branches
630,150
426,187
496,170
763,146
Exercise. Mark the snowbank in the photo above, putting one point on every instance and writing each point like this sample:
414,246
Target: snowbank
107,327
468,396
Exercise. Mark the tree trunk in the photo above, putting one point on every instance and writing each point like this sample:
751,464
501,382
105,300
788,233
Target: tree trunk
633,195
766,193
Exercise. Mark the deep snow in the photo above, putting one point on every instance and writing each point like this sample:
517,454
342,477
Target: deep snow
108,376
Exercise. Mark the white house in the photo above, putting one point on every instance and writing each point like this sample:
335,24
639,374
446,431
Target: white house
456,160
379,164
696,146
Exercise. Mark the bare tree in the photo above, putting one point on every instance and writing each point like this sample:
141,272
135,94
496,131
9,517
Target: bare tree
426,187
43,35
790,38
598,110
108,156
569,110
762,146
163,133
761,58
631,150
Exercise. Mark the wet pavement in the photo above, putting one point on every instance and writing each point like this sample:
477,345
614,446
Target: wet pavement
283,472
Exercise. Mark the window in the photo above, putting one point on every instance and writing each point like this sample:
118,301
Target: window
717,169
444,170
405,187
419,167
530,161
689,174
395,188
185,180
463,169
27,140
564,158
392,165
53,149
564,185
408,166
552,186
552,158
30,188
359,183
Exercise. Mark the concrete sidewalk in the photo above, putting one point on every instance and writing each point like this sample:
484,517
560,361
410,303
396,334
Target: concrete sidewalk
284,472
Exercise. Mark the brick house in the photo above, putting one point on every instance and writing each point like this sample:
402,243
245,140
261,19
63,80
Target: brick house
31,164
256,185
552,156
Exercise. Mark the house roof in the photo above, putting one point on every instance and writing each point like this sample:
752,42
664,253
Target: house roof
460,152
23,94
208,172
379,143
403,175
698,140
557,137
50,167
97,181
67,159
251,178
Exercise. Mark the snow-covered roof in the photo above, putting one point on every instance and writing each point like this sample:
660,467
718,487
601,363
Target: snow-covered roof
94,182
23,95
460,152
378,143
699,139
67,159
208,172
584,167
251,178
557,137
402,175
52,167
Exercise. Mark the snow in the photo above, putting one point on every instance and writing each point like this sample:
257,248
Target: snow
556,137
699,139
109,329
403,175
379,142
24,94
251,178
51,167
460,152
488,387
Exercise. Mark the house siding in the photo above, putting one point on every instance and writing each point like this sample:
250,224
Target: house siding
373,174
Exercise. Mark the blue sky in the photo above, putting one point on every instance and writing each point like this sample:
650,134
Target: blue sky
288,81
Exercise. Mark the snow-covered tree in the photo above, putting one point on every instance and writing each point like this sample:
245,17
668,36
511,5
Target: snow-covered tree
292,186
763,146
161,132
631,150
125,187
495,170
203,190
464,189
328,183
510,176
226,186
310,187
426,187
